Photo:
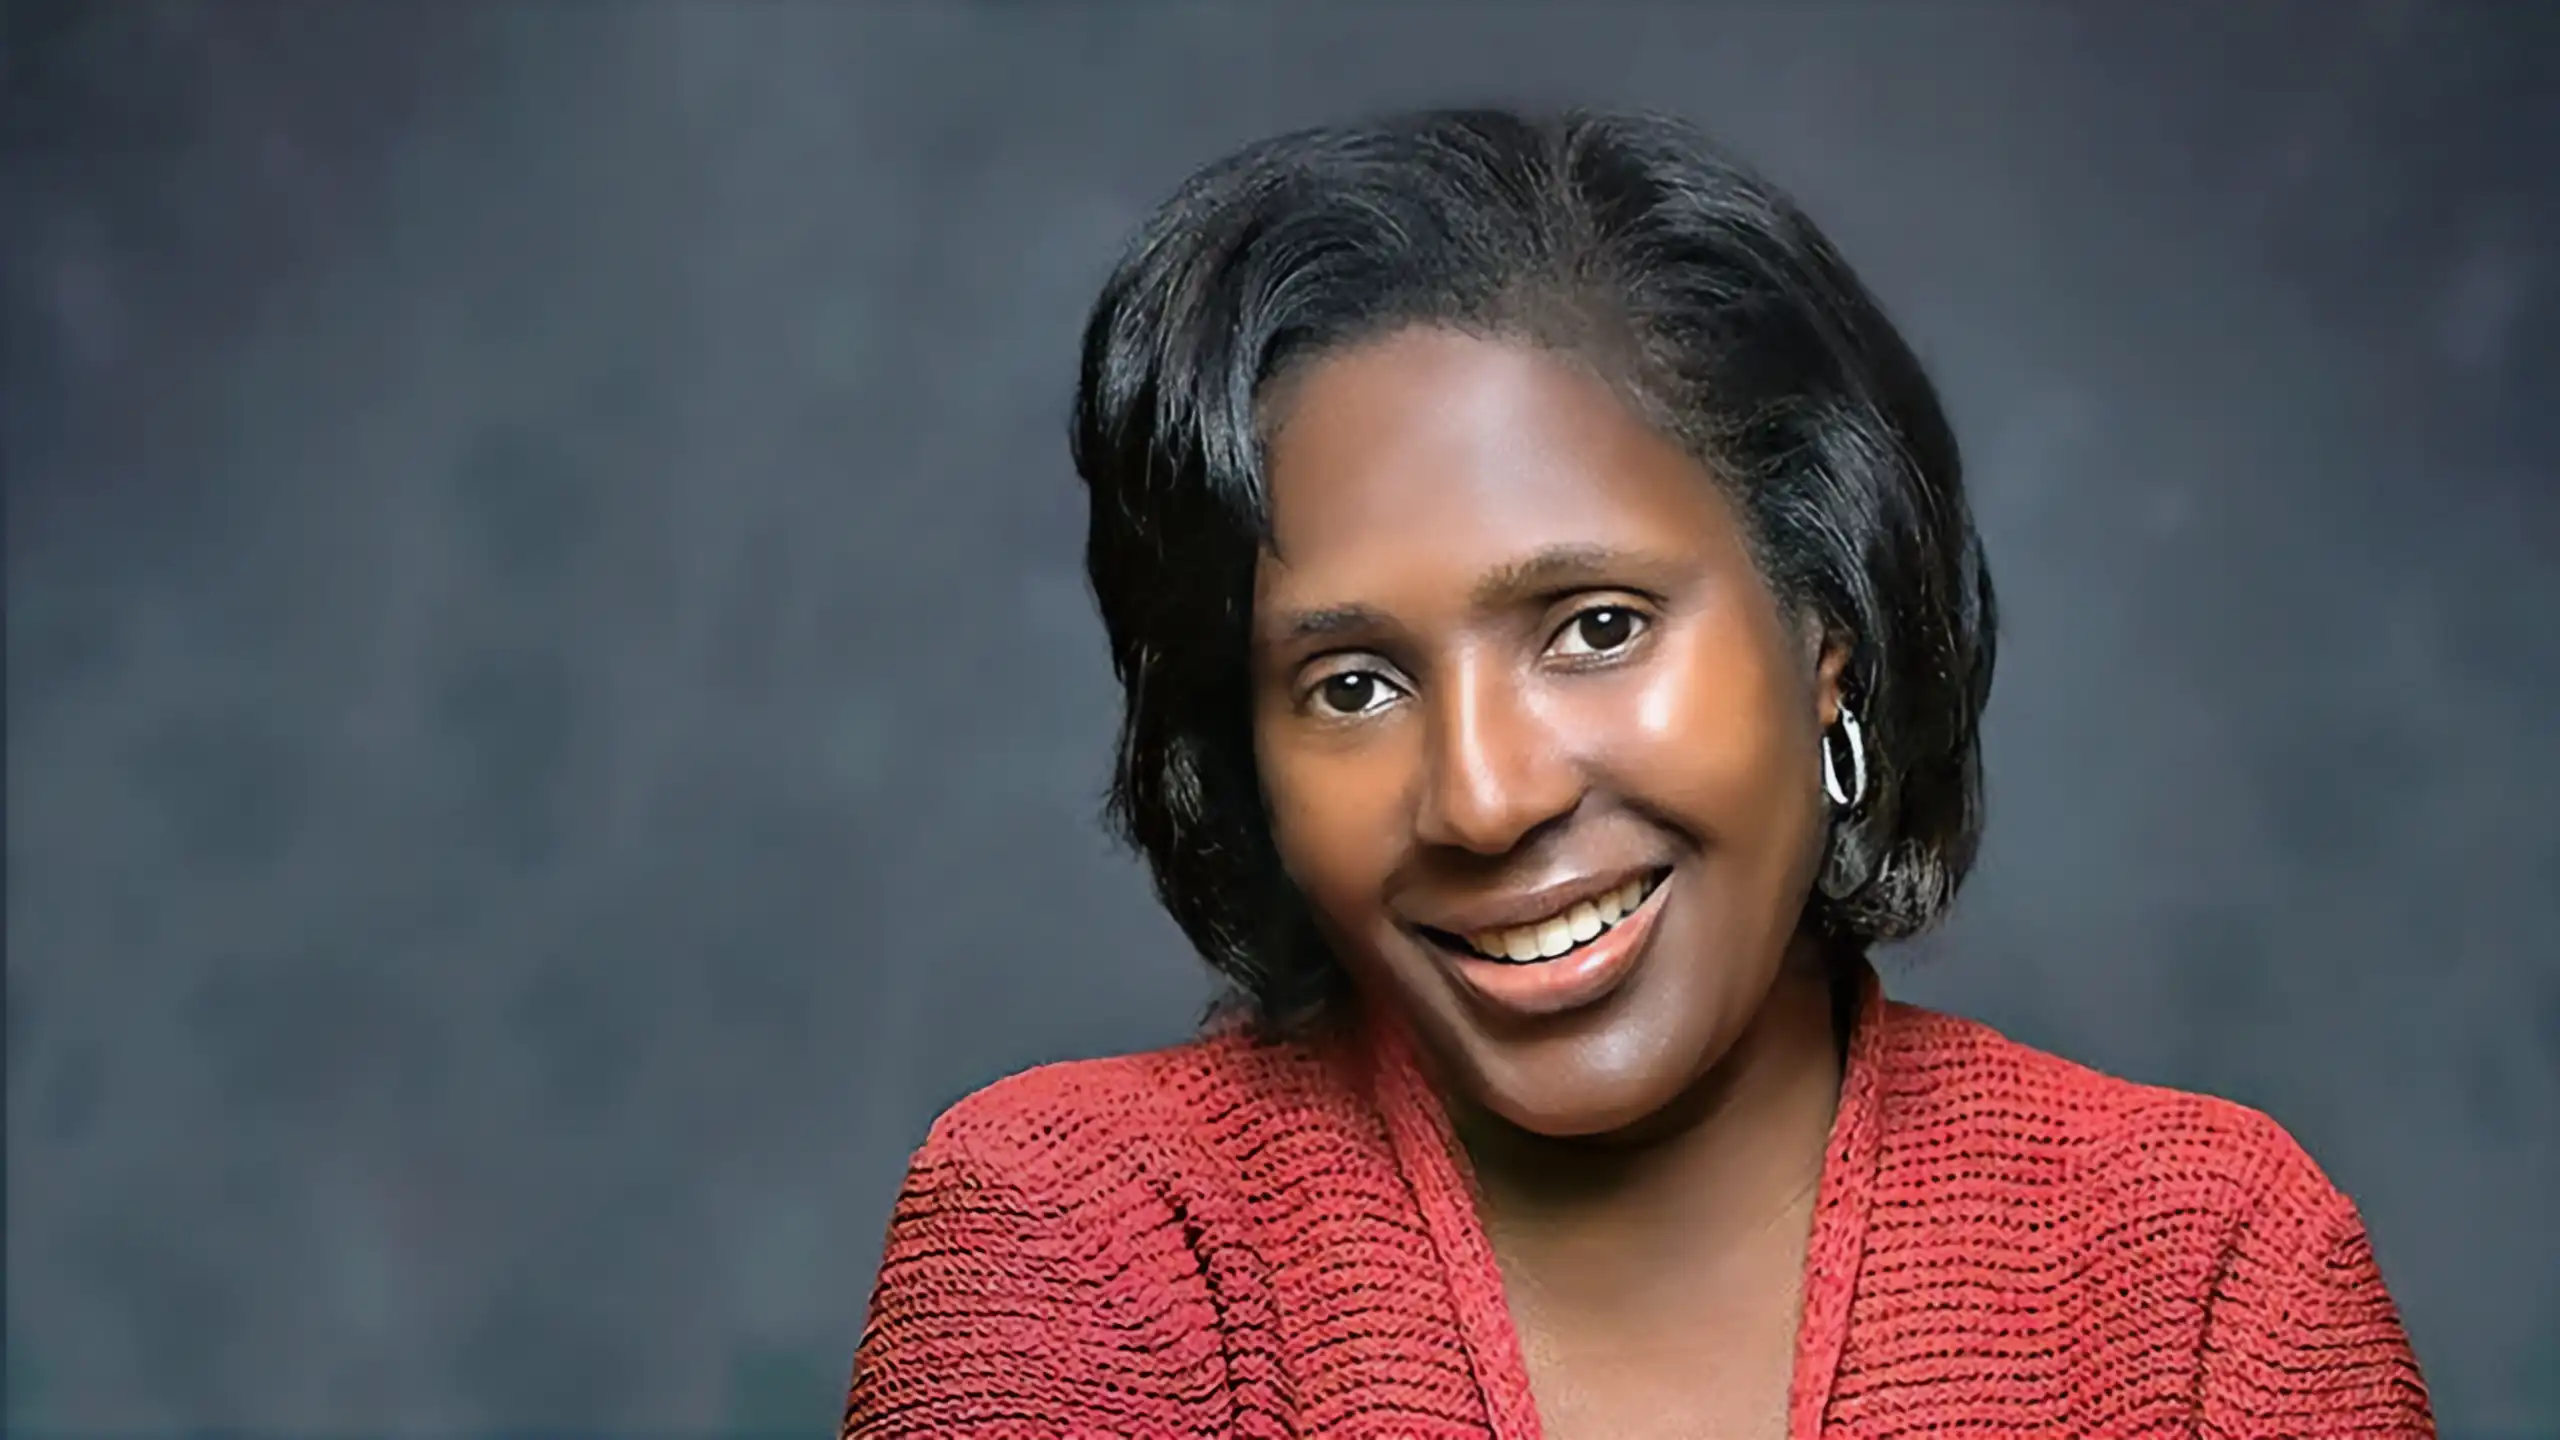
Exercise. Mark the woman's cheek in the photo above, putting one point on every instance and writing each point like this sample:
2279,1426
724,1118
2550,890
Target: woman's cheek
1317,823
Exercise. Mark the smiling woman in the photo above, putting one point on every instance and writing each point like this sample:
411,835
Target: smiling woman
1553,639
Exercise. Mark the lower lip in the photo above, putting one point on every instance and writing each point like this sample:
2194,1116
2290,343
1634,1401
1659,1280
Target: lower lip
1579,977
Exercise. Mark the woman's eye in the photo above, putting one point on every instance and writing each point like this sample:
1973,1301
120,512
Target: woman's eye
1600,631
1353,692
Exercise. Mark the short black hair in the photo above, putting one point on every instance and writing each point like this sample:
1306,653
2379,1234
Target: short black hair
1628,240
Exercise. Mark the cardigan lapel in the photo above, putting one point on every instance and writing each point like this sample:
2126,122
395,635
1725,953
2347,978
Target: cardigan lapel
1839,1239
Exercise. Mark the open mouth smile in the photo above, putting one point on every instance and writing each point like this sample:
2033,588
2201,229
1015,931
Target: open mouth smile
1557,935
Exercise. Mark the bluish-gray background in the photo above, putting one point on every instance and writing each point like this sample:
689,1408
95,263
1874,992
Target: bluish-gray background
553,719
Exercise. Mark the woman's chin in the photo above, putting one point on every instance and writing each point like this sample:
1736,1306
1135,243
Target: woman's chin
1579,1106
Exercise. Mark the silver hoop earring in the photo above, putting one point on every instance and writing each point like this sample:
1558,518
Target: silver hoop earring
1846,796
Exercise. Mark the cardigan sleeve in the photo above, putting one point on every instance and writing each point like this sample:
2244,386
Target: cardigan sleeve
1018,1297
2303,1339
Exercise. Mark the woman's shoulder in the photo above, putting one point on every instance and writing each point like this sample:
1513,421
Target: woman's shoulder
1957,1087
2100,1198
1068,1119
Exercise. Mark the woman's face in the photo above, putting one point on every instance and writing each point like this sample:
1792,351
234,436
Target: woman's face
1540,746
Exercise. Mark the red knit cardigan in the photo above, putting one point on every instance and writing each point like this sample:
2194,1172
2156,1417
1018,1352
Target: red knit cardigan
1236,1239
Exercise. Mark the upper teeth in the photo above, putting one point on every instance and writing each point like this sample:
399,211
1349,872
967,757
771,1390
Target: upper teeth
1548,938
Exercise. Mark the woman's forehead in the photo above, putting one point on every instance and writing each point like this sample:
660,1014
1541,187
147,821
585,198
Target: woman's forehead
1430,443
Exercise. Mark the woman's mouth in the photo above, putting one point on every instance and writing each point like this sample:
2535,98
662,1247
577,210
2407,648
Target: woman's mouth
1566,961
1557,935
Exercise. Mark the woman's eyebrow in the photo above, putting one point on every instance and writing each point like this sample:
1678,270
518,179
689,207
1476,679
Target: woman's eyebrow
1326,622
1559,567
1533,577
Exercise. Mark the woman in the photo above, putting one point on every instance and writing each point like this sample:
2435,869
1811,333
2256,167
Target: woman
1553,639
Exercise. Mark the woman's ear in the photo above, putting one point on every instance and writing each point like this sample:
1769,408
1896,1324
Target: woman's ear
1829,651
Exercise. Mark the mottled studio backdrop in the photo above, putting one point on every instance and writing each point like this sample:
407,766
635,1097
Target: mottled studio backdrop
553,719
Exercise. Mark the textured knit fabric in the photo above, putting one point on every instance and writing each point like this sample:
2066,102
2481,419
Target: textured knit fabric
1237,1239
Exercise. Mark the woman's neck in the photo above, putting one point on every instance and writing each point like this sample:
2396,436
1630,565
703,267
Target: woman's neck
1728,1169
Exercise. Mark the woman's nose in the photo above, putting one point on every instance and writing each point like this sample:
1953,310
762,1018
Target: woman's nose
1496,772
